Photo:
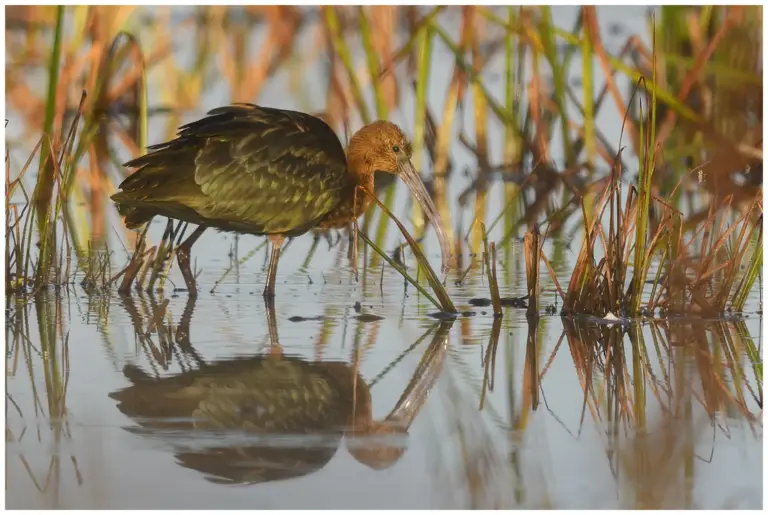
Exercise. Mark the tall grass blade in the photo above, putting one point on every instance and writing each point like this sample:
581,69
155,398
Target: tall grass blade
647,165
532,252
739,298
489,256
588,89
373,63
445,300
424,49
342,49
401,270
550,51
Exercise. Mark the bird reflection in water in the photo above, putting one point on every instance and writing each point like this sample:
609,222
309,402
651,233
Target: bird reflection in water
264,418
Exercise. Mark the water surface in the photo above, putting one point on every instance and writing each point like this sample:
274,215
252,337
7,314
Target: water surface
502,413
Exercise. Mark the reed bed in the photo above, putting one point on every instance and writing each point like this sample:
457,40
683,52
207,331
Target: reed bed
666,218
642,242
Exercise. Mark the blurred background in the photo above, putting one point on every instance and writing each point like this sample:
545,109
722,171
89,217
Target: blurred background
517,115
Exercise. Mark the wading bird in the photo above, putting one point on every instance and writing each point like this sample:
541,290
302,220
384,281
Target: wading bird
264,171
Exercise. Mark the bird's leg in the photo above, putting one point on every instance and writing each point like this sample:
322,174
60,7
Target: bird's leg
274,341
178,234
353,238
182,256
277,242
269,296
352,250
132,270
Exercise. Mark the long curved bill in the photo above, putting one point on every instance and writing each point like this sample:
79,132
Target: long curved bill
412,179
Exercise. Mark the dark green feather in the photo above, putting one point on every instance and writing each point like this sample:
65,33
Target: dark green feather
243,167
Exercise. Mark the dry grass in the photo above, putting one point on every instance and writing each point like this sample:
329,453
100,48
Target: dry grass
114,53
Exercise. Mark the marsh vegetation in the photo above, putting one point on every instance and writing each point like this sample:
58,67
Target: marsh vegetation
600,181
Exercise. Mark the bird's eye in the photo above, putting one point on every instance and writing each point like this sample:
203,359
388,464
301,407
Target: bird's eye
395,149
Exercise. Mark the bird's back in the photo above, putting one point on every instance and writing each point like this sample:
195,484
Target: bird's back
242,167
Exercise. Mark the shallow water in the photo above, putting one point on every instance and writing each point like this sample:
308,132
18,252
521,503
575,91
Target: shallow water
506,413
507,454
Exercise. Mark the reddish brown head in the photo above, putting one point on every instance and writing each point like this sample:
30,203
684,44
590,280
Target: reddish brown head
382,147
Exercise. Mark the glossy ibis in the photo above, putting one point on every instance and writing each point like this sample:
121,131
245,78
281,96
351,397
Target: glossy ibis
265,171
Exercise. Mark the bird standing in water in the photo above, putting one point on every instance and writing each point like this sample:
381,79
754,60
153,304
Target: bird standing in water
266,171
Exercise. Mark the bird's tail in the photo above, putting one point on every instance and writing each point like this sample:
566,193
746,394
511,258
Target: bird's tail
134,217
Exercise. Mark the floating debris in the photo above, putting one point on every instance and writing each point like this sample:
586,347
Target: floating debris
443,315
514,302
305,319
369,317
509,302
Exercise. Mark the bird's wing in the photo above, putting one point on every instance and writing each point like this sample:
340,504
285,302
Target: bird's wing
270,170
278,170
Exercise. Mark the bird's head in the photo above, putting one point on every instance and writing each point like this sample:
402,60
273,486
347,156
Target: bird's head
379,147
383,147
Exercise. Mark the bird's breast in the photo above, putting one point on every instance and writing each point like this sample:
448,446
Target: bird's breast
353,205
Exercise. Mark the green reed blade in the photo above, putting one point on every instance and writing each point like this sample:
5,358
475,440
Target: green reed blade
550,51
401,270
499,111
739,298
423,24
424,59
668,97
512,88
490,267
373,63
590,144
341,48
645,180
45,181
445,300
53,82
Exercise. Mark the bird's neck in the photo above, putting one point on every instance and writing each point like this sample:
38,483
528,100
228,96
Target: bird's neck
362,200
365,180
362,171
354,203
359,163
